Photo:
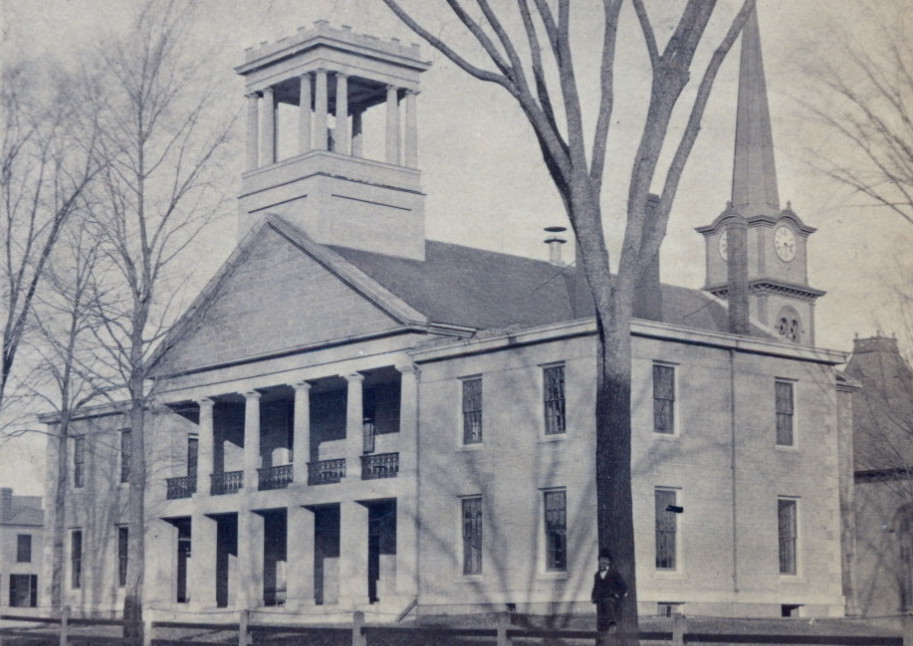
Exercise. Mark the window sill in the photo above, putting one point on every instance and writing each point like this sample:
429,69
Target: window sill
669,574
470,578
555,575
665,437
470,447
555,437
788,448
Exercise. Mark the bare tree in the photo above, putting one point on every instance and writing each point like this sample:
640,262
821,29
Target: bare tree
530,53
49,157
865,103
163,138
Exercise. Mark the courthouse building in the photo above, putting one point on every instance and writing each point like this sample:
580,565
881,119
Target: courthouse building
352,416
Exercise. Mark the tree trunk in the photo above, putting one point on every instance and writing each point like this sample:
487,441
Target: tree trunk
58,531
136,537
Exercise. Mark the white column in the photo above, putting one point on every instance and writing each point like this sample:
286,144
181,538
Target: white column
411,134
392,125
301,432
251,439
320,110
249,584
201,570
304,115
357,139
268,131
300,551
354,424
253,129
206,447
407,534
342,113
353,554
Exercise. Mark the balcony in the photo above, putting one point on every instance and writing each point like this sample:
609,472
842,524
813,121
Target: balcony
326,471
274,477
381,465
182,487
226,483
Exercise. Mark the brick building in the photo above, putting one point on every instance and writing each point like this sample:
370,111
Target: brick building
352,416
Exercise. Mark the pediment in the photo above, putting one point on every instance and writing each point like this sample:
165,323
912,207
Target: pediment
279,292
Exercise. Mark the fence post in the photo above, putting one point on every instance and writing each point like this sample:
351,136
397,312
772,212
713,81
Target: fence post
64,625
148,614
358,622
243,630
503,625
679,626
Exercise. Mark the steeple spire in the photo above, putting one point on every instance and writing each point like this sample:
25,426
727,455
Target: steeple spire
754,175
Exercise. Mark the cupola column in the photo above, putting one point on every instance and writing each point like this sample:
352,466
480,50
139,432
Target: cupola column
411,134
342,113
253,131
392,125
304,115
268,140
320,110
354,425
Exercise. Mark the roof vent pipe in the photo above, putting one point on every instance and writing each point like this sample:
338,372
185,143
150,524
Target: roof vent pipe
554,242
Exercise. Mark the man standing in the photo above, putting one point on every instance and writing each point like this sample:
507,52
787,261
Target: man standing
608,591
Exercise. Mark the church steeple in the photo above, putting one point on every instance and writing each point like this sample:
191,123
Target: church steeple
754,175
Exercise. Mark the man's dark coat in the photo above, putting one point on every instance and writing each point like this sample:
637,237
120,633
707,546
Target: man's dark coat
607,595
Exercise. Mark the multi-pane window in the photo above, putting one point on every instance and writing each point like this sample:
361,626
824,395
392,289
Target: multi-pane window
79,459
553,394
24,590
125,455
23,548
76,559
786,531
122,547
666,529
193,452
472,410
555,530
472,535
784,405
663,398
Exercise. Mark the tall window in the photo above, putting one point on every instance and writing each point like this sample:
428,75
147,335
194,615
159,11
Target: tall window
472,535
472,410
79,458
784,404
666,529
786,531
193,452
24,590
76,559
553,379
125,455
663,399
122,547
555,530
23,548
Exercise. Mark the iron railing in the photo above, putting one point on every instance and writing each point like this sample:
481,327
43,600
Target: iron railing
182,487
381,465
274,477
326,471
227,482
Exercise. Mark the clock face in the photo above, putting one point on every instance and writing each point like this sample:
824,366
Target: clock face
785,243
724,244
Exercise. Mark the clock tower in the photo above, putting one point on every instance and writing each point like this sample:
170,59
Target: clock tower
770,242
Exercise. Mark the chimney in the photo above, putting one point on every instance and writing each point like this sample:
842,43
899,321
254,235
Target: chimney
737,274
648,299
554,242
6,504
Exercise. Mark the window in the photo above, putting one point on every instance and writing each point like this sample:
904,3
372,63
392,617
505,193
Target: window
786,523
669,608
76,559
79,458
193,452
122,551
472,535
472,410
125,455
666,528
23,548
555,531
784,403
663,399
553,393
24,590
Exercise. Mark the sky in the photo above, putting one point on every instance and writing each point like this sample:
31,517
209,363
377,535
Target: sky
485,182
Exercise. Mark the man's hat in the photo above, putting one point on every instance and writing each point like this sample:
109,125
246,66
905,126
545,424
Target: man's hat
604,553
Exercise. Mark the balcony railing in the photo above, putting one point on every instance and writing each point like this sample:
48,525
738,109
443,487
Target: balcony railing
182,487
381,465
225,483
274,477
326,471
